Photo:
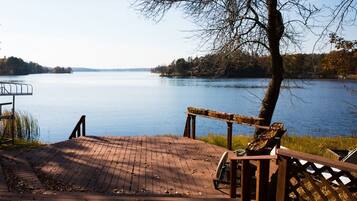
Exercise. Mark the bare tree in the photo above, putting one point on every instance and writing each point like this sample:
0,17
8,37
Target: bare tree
245,25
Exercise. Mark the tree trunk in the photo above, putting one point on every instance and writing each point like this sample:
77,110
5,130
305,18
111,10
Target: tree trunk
275,31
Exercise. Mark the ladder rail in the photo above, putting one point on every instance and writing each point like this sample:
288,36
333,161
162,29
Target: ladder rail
13,88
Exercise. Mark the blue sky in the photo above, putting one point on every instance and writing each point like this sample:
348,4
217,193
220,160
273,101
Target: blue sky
93,33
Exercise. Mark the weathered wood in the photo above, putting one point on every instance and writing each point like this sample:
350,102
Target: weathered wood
187,132
314,177
260,157
350,167
193,126
262,183
156,166
234,118
233,178
246,177
281,188
229,135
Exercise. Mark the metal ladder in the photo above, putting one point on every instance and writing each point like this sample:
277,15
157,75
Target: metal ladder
12,89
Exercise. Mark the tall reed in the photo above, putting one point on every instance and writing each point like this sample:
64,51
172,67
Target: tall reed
26,126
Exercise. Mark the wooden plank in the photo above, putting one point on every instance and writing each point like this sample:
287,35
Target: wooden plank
54,166
138,169
158,178
3,185
245,181
86,165
107,175
128,166
94,166
74,161
260,157
223,116
233,185
282,182
318,159
193,126
194,186
182,167
262,183
229,135
179,166
174,166
119,173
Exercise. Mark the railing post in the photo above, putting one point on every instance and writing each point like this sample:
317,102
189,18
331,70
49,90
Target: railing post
13,120
233,178
187,132
245,180
281,187
262,183
84,125
193,126
229,135
78,130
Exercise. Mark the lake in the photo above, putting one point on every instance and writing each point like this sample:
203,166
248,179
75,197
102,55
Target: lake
141,103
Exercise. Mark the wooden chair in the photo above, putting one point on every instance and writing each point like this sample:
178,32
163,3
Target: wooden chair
262,145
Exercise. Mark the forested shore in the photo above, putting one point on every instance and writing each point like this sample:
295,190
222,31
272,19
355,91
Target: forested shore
335,64
17,66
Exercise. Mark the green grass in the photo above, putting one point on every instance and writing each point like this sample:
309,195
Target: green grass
20,144
307,144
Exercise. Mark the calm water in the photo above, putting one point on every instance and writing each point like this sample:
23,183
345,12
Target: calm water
140,103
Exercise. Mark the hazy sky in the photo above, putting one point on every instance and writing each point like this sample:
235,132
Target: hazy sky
93,33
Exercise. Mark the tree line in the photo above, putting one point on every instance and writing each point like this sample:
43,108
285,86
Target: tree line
17,66
338,63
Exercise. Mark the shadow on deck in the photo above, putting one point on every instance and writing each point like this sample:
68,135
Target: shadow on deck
141,166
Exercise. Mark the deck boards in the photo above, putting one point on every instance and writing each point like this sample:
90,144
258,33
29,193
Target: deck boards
140,165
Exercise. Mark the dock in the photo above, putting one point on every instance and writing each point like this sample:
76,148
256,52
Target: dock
155,166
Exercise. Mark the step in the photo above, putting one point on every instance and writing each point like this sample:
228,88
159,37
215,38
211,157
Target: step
22,170
3,185
92,196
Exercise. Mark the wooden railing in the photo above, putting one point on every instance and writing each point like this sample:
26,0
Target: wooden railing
248,167
304,176
190,127
80,128
298,176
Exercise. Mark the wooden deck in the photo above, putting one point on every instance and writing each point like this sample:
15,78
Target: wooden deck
141,166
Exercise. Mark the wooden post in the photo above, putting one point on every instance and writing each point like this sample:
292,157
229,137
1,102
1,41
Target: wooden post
193,126
233,178
187,132
84,125
245,180
262,183
78,130
229,135
282,182
13,120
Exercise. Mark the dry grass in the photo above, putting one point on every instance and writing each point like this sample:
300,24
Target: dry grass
21,144
307,144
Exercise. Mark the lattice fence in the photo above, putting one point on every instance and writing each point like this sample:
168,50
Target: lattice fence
317,180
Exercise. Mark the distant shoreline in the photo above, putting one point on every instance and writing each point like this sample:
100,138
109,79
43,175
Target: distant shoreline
82,69
352,77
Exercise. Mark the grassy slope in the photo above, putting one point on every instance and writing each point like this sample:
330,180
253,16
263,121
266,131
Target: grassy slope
307,144
21,144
